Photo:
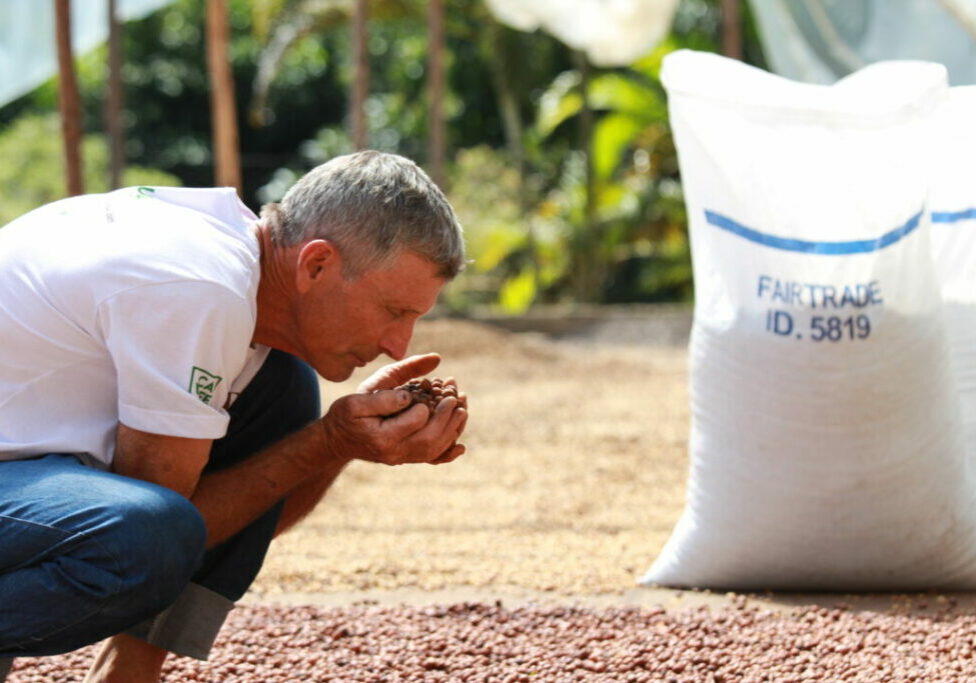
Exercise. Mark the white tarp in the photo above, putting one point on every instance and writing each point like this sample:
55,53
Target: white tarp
820,41
28,51
611,32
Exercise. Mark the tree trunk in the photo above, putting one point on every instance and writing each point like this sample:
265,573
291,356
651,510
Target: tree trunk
223,110
68,100
587,271
499,66
435,92
360,79
113,102
731,29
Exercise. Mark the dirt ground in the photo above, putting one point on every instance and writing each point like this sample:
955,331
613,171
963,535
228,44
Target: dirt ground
573,478
519,561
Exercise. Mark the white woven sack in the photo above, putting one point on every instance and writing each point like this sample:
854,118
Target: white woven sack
952,204
826,448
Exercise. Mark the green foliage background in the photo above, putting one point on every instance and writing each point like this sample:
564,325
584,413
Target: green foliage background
539,228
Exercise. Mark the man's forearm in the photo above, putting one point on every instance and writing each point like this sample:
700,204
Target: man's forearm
232,498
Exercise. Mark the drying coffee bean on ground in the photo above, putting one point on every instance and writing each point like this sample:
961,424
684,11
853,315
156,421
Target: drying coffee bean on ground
481,643
574,477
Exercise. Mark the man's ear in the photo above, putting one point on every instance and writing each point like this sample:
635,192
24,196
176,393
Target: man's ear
316,259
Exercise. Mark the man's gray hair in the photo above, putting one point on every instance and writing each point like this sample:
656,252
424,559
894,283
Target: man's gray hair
372,206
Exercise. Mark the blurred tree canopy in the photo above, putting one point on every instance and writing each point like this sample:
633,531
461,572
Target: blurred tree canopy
540,227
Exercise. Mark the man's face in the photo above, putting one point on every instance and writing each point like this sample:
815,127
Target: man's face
345,324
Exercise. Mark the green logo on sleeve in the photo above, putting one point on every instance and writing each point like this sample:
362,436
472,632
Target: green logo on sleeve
143,191
204,383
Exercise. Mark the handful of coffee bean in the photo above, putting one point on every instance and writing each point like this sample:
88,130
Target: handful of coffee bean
430,392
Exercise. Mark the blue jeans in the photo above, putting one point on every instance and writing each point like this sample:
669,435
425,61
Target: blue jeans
86,554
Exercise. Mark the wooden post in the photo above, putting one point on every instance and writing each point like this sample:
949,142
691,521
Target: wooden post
965,17
223,110
68,99
435,92
587,270
731,29
360,76
114,98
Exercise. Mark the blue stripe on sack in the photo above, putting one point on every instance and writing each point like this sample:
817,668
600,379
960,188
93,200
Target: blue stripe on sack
805,246
953,216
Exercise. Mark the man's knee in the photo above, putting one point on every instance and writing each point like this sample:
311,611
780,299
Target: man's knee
124,553
156,537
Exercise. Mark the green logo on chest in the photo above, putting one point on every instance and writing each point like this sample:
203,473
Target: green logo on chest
204,383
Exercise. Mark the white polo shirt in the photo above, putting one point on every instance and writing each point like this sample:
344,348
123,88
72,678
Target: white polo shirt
137,306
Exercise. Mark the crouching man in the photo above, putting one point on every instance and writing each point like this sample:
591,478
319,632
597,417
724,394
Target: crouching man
159,407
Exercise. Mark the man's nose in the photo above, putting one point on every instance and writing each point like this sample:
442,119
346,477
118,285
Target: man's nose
396,341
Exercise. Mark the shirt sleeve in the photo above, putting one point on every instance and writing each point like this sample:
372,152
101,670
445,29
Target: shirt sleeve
177,347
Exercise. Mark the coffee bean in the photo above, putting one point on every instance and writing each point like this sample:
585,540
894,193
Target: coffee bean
430,392
481,642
